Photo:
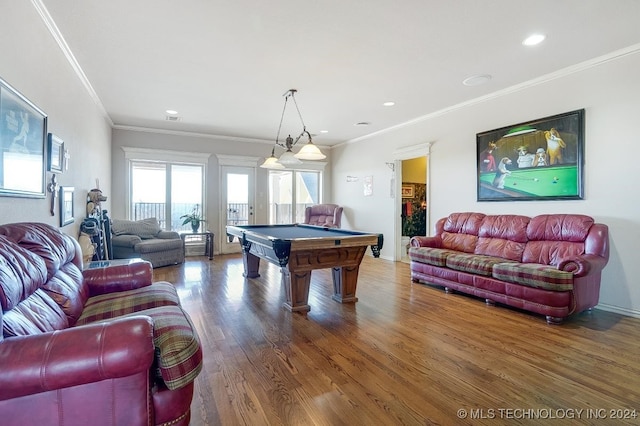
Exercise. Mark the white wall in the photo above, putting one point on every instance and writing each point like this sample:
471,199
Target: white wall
34,65
609,91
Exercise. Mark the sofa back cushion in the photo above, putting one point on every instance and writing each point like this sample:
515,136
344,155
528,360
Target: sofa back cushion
460,231
556,236
26,307
62,258
503,236
145,228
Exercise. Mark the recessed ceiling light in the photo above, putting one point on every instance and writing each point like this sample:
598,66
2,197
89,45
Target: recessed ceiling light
534,39
324,131
171,111
476,80
389,103
362,123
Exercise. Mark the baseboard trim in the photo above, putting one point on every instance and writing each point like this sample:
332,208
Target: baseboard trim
618,310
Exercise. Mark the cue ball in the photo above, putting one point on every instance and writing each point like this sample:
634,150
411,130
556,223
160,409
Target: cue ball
535,179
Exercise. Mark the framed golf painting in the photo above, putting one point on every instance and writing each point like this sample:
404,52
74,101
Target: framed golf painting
537,160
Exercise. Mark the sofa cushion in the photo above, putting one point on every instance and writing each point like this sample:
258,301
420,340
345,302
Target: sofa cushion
460,231
550,252
144,228
503,236
37,314
430,255
464,223
555,237
156,245
125,240
559,227
112,305
534,275
472,263
44,241
21,274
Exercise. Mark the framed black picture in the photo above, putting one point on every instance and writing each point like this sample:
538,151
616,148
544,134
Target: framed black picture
55,149
23,134
536,160
66,205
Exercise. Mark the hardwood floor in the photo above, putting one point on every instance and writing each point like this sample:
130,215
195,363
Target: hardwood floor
404,354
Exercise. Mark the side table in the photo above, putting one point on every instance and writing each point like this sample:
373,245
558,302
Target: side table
208,243
96,264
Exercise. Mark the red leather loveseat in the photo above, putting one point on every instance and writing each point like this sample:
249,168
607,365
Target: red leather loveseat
103,346
547,264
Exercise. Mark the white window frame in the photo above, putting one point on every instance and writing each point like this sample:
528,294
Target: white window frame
132,154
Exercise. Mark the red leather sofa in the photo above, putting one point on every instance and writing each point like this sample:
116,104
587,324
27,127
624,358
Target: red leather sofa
547,264
102,346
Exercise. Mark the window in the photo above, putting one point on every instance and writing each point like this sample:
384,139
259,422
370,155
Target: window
165,185
290,192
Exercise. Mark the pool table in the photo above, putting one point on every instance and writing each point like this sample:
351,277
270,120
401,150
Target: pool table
298,249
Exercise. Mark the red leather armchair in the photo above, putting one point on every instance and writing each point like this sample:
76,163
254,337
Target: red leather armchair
88,347
327,215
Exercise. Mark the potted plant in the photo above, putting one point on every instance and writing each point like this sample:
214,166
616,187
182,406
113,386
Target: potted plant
194,218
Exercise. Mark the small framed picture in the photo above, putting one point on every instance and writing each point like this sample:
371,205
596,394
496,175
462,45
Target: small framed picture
66,205
408,191
55,148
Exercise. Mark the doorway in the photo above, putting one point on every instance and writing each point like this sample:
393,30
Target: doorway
412,205
237,202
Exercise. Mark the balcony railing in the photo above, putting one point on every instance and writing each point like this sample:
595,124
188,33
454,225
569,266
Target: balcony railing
158,210
237,213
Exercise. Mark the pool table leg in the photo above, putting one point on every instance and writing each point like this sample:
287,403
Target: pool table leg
251,264
345,281
296,287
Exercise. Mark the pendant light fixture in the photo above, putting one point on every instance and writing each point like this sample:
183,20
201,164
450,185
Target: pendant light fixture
308,152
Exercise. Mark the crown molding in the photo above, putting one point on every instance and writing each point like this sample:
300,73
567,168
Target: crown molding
136,153
192,134
57,36
582,66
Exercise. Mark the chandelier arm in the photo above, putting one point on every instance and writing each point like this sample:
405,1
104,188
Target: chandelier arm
284,108
299,113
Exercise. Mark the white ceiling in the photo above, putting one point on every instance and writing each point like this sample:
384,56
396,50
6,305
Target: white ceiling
224,65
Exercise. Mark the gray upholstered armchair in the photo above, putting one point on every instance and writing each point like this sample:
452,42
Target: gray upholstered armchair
328,215
146,240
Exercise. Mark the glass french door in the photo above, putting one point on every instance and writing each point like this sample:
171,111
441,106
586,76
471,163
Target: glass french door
290,192
238,199
166,191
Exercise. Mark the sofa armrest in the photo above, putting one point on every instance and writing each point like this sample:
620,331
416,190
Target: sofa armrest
75,356
168,235
419,241
118,277
125,240
581,266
